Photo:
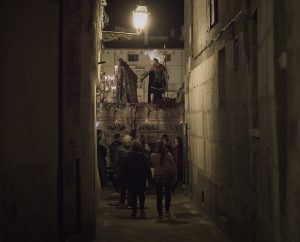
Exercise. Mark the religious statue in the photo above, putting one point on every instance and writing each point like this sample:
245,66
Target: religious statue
157,81
126,83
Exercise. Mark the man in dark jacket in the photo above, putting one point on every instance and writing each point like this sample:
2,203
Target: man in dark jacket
136,173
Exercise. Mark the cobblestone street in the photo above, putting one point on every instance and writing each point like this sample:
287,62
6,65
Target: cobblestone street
114,223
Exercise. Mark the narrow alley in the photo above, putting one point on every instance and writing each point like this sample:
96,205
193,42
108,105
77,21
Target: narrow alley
188,223
206,90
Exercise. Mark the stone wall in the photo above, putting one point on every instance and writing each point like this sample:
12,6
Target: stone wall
29,121
293,121
47,159
235,103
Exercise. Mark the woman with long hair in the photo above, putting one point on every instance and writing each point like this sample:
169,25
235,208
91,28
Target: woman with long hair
165,177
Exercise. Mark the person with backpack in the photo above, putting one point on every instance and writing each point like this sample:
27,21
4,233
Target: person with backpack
165,178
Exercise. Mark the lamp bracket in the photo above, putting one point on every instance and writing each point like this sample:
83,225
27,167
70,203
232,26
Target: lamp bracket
112,35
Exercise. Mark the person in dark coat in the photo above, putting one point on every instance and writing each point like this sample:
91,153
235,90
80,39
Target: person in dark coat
178,158
137,171
101,155
166,141
143,143
122,154
113,160
133,134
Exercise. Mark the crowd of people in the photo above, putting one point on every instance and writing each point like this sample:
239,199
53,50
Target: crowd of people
134,167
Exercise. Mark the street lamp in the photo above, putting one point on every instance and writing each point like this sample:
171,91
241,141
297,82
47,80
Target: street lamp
140,16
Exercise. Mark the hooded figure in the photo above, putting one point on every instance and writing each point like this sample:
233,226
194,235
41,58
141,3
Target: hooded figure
126,83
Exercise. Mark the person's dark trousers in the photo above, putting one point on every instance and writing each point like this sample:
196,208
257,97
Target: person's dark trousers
161,190
123,193
134,195
129,200
102,170
115,182
122,188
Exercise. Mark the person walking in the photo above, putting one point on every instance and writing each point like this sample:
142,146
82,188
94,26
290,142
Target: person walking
101,157
165,177
122,154
178,158
136,172
113,148
167,143
144,145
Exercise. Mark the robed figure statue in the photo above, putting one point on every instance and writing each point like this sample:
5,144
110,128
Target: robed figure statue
157,81
126,83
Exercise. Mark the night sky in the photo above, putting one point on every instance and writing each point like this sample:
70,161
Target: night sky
164,14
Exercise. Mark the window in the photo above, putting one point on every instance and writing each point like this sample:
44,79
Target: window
213,12
133,57
168,58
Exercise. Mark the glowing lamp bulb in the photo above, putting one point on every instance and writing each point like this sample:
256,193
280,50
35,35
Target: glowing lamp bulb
140,16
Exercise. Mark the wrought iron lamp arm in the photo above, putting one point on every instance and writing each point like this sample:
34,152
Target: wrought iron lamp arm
112,35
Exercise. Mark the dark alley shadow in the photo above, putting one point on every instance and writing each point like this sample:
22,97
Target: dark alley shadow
172,222
187,215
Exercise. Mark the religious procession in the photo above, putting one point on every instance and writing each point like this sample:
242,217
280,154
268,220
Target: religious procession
124,83
139,138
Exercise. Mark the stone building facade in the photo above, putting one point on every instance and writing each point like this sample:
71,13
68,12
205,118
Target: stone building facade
242,126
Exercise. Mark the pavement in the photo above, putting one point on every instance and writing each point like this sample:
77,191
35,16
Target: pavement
114,223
